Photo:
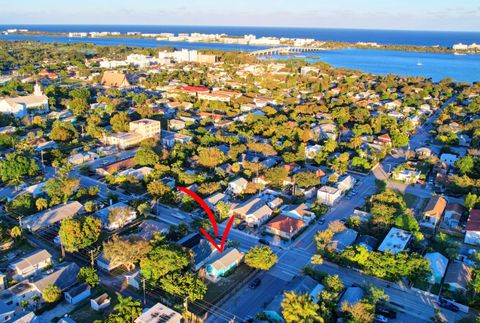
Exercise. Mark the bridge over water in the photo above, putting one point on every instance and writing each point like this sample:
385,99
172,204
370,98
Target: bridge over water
284,51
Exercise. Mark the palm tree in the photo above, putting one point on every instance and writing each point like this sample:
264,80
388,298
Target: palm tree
41,204
128,308
16,232
300,308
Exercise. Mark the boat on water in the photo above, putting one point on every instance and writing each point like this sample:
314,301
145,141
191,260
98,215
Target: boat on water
459,54
419,63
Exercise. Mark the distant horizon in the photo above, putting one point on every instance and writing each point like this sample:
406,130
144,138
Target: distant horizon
239,26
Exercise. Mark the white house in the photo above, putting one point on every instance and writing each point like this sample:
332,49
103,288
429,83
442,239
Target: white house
139,173
238,185
346,183
453,214
100,303
312,151
116,216
301,211
254,211
329,195
407,175
472,231
31,264
22,105
448,159
77,293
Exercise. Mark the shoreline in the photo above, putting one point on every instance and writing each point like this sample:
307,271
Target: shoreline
227,40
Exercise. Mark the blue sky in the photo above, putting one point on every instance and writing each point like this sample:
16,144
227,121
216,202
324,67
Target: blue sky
381,14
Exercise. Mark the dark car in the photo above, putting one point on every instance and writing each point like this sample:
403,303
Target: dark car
263,241
386,312
242,226
321,221
448,305
255,283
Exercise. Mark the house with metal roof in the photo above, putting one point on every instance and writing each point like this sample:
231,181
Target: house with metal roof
51,216
223,263
458,276
30,264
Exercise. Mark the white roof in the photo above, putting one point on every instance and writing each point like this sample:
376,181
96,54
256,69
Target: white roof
159,313
395,241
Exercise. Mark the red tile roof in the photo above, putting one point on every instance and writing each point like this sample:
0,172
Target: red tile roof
196,88
286,224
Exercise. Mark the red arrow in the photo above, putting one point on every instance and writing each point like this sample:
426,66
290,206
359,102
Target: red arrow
212,220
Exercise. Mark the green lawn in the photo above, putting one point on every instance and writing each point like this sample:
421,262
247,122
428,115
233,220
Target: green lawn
215,291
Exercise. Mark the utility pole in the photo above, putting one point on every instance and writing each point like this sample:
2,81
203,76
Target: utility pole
41,156
144,294
92,260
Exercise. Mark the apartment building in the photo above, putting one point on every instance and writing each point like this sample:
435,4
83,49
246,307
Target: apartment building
139,130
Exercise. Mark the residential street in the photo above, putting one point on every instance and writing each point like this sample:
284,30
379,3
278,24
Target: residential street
415,307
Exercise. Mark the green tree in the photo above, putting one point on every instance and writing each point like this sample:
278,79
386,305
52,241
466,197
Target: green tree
276,176
17,166
333,283
184,285
22,205
223,210
299,308
316,259
127,310
16,232
145,156
120,122
470,200
79,233
79,106
41,204
126,251
399,139
261,258
465,165
60,189
160,191
210,157
63,131
163,259
89,275
80,93
51,293
359,312
306,179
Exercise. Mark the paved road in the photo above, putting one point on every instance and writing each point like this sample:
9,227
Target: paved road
416,307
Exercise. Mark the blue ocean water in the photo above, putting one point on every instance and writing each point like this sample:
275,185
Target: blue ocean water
427,38
465,68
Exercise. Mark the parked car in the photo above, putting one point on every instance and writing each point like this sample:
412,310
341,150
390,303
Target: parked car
448,305
255,283
321,221
242,226
263,241
386,312
380,318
